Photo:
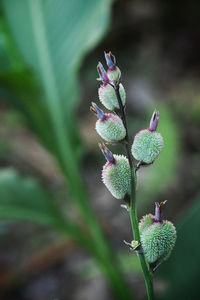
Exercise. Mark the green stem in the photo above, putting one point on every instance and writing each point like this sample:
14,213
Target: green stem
146,273
132,204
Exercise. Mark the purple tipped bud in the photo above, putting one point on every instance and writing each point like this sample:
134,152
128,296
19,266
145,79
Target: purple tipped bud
110,60
158,211
98,112
154,121
102,73
107,153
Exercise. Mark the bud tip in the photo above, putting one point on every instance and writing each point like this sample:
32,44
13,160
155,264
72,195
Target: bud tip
110,60
102,73
97,111
107,153
158,211
154,121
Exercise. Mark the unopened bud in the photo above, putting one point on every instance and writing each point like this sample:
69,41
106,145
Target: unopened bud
113,72
108,97
117,176
148,143
157,237
109,126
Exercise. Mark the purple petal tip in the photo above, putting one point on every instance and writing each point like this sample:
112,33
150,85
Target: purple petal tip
97,111
154,121
102,73
110,60
107,153
158,211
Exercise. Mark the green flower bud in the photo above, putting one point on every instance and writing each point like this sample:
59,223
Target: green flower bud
108,97
109,126
114,75
116,177
116,174
157,236
113,72
158,240
148,143
112,129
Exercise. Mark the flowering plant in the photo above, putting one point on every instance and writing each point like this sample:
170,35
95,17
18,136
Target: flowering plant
154,238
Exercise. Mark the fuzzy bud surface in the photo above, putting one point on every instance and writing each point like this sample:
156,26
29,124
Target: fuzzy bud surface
111,129
157,238
117,176
108,97
147,145
109,126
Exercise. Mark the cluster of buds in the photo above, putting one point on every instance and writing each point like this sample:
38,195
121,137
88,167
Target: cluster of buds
157,237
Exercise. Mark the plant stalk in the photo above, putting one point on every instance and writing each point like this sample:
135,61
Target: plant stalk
132,203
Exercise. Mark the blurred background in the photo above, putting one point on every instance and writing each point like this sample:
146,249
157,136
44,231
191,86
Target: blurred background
48,144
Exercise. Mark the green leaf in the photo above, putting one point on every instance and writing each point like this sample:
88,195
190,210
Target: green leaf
19,87
9,56
24,199
181,272
53,37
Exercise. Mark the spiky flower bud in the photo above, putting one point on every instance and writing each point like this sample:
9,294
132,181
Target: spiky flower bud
148,143
116,174
157,236
113,72
109,126
108,97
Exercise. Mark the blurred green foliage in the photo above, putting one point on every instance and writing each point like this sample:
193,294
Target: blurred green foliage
53,45
25,199
181,272
43,44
